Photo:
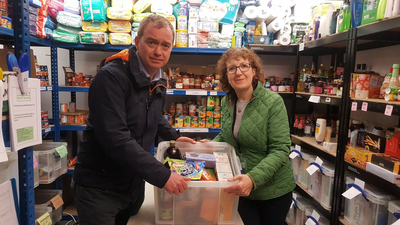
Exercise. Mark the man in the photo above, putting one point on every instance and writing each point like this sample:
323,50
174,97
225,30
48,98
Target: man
126,99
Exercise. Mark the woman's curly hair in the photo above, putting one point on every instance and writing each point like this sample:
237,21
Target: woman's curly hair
237,53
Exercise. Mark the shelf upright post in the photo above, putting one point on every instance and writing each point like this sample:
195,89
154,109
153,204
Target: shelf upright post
338,184
55,93
73,99
25,156
296,81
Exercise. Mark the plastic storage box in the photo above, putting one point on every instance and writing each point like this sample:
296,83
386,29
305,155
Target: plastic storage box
40,211
291,216
322,220
394,207
302,211
204,201
42,202
371,212
297,163
36,170
51,165
327,185
303,176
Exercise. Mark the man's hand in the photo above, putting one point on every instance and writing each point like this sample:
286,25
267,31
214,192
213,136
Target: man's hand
243,188
176,184
205,141
186,139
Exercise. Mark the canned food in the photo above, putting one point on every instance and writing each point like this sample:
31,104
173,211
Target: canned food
4,4
202,111
187,121
202,122
72,107
185,109
195,121
210,112
217,112
209,122
179,109
192,109
64,119
71,119
85,116
45,114
198,100
63,107
171,119
179,121
172,108
204,100
79,119
217,101
217,123
210,101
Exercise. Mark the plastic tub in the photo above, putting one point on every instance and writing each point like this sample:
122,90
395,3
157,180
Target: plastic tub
371,212
296,164
303,176
394,207
51,165
204,201
302,211
36,170
322,220
40,211
291,216
42,201
327,185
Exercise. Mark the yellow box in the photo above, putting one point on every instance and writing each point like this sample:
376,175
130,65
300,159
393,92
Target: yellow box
119,26
322,9
359,153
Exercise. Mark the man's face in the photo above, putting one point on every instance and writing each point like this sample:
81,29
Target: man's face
154,47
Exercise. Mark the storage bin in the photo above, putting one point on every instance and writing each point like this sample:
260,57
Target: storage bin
327,185
302,210
296,163
371,212
315,185
9,169
36,170
204,201
40,211
303,176
42,202
322,220
291,216
394,207
51,165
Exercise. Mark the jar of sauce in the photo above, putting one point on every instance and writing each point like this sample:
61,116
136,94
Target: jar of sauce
197,82
203,83
209,82
179,82
185,81
191,81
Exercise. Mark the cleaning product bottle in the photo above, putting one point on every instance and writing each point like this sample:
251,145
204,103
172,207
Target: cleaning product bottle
334,22
380,14
396,8
340,20
258,30
356,12
346,17
389,8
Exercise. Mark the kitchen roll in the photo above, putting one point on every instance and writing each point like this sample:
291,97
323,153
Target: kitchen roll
286,29
286,11
275,11
251,12
263,12
275,25
284,39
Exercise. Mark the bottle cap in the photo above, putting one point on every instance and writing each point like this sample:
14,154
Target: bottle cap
172,143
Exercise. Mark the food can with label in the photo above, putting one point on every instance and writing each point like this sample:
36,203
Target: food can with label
210,101
172,108
192,109
217,123
204,101
63,107
72,107
179,121
202,122
185,109
79,119
171,119
209,122
64,119
71,119
179,109
202,111
217,112
210,112
181,38
195,121
217,101
187,121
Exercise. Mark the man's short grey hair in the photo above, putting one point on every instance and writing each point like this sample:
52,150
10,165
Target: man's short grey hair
159,21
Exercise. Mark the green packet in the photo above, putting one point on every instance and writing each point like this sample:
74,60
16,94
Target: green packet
189,169
65,37
93,38
67,29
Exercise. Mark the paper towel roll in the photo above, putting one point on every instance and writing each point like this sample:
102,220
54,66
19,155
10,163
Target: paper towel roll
276,42
284,39
263,12
264,2
286,29
286,11
275,25
251,12
274,13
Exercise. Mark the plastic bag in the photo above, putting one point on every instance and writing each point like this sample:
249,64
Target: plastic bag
119,14
65,37
69,19
90,26
72,6
93,38
54,7
41,20
93,10
120,39
141,6
50,24
63,28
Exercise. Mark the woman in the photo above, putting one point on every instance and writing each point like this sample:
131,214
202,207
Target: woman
255,122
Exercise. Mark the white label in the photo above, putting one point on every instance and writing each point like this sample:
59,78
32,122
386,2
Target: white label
312,169
354,106
301,47
351,193
42,88
47,130
396,223
170,92
295,196
314,99
293,155
196,92
297,147
298,96
364,106
388,110
198,130
315,215
212,93
359,183
318,161
50,88
328,99
310,222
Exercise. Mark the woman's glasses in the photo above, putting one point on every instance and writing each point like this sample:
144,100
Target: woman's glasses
243,68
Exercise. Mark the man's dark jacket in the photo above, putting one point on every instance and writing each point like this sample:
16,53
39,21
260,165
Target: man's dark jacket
123,121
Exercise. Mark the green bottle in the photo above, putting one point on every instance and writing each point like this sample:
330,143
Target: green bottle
346,17
340,20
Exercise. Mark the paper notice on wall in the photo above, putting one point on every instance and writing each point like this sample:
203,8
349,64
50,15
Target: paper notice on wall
3,151
8,214
25,117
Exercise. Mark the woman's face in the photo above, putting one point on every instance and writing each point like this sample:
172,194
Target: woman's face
240,74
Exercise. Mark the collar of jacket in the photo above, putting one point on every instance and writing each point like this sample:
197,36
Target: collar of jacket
256,93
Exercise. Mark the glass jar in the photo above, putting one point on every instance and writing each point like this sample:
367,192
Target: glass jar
197,82
203,83
179,82
209,82
191,81
185,81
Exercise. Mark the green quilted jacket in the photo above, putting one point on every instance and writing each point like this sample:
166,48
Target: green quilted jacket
264,140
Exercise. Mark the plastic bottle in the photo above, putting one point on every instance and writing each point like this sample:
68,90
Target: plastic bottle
340,21
321,71
346,17
394,81
296,122
300,127
380,14
396,8
389,8
320,130
356,7
313,71
308,127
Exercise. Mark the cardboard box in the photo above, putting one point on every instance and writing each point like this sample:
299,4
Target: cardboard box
355,161
387,162
382,173
371,142
359,153
392,147
192,27
3,61
365,86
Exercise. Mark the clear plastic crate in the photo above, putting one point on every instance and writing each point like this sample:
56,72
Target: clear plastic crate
40,211
36,170
297,164
394,207
302,210
371,212
291,216
204,202
303,176
322,220
42,201
51,165
327,185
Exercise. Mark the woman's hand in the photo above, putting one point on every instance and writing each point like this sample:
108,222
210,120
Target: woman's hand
243,188
186,139
205,141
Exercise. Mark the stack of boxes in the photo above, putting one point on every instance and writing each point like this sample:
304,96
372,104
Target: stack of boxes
119,26
223,167
192,26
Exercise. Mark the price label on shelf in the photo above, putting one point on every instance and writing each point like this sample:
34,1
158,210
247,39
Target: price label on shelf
364,106
213,93
389,110
170,92
301,47
328,100
49,88
42,88
314,99
47,130
354,106
196,92
298,96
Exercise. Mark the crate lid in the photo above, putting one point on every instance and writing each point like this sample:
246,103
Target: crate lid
303,204
394,206
328,169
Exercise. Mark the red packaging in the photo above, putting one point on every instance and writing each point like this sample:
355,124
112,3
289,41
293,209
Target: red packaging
54,7
41,19
71,119
392,147
45,114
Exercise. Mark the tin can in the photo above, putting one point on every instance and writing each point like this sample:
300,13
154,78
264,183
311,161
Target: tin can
79,119
187,121
210,112
217,112
195,121
171,119
192,109
63,107
287,88
210,101
204,100
172,108
202,122
202,111
181,38
179,109
217,101
85,116
45,114
64,119
185,109
72,107
71,119
209,122
179,121
217,123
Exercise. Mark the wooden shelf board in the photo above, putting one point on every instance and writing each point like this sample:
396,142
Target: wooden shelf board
311,141
322,95
377,101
